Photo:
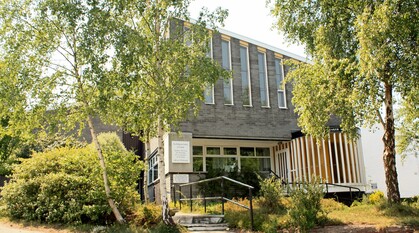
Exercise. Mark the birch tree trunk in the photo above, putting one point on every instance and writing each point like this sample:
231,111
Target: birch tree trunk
389,154
167,219
115,210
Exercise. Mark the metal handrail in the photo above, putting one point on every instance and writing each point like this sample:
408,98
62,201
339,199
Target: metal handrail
222,198
331,184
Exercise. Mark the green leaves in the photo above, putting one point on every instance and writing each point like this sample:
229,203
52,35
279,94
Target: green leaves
156,73
356,48
65,185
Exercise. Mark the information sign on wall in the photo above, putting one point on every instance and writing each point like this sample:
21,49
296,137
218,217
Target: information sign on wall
180,178
180,152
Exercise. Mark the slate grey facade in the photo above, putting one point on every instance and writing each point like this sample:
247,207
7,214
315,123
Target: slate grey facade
243,122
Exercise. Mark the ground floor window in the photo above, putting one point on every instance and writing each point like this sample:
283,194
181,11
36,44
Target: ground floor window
231,158
153,168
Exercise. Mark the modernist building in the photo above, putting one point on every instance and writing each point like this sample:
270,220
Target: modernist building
249,121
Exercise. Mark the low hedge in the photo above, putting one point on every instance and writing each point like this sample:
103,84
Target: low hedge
65,185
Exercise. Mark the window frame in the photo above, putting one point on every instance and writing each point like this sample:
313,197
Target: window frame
153,161
229,68
249,82
237,157
281,90
265,72
210,88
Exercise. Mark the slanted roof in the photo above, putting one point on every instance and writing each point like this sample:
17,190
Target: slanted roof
263,45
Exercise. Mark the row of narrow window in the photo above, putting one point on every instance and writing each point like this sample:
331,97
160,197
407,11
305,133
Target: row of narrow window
246,92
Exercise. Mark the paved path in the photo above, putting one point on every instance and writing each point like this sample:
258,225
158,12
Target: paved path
7,229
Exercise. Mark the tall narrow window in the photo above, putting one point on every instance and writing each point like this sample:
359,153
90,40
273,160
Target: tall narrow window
263,80
209,89
279,75
245,76
226,63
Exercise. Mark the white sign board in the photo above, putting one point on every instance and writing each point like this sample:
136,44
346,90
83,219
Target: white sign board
180,152
180,178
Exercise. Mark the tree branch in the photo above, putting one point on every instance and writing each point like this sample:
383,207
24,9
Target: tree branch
380,118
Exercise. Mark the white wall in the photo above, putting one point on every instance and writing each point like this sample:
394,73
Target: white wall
408,169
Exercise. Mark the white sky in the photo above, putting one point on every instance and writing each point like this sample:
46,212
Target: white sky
249,18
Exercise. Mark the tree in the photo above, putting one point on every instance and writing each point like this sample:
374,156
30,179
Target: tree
56,56
363,52
161,69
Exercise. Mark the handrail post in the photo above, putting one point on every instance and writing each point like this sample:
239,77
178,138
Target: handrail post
174,194
180,197
350,191
205,202
222,196
251,208
190,196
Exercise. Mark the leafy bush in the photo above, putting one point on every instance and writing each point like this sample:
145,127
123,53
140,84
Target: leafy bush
271,193
376,197
306,211
147,214
14,148
329,205
65,184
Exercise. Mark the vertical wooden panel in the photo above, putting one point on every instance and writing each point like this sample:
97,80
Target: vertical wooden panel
307,157
315,165
319,163
361,161
343,163
292,161
347,158
325,164
332,174
338,170
298,161
353,159
289,162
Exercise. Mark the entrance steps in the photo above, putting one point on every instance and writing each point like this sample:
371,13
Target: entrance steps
202,222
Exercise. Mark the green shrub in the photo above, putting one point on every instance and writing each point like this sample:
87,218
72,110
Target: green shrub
65,184
306,211
147,214
376,197
271,193
329,205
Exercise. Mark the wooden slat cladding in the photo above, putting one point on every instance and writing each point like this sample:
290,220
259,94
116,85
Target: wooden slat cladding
335,160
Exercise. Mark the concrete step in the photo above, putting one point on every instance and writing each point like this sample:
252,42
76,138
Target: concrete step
207,227
202,222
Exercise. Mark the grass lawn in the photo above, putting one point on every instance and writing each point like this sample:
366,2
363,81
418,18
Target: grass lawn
378,215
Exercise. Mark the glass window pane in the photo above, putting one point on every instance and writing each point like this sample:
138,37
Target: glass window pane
221,164
213,151
249,164
264,164
230,151
209,94
228,88
263,80
255,164
278,73
225,53
281,99
198,164
197,150
247,151
228,95
279,76
245,76
155,172
262,152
